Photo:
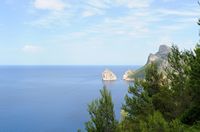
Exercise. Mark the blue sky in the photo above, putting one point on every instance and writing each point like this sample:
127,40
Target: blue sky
93,32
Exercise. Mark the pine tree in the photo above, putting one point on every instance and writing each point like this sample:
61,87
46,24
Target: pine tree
153,80
154,123
146,96
102,114
138,105
156,85
192,115
178,75
195,76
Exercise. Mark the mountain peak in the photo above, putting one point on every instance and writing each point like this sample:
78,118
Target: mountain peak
162,54
160,58
164,49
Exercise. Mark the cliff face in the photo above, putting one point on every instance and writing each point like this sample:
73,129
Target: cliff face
108,75
160,58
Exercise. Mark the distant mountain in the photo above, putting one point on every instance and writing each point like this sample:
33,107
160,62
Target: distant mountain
160,58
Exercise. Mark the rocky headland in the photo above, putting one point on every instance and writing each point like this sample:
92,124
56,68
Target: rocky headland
160,58
126,75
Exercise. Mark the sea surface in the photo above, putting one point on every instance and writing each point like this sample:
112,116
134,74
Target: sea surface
53,98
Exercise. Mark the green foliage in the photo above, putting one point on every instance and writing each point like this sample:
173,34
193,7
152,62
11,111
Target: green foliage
102,114
157,88
153,80
79,130
176,126
168,94
178,70
126,126
138,105
195,76
178,75
194,128
139,74
154,123
192,114
164,102
157,123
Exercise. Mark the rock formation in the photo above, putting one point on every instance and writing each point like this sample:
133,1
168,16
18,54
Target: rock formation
108,75
160,58
126,75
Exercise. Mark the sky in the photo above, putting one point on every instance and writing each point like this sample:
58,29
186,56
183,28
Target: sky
93,32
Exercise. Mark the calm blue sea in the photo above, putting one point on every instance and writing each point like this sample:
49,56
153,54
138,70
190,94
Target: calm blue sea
53,98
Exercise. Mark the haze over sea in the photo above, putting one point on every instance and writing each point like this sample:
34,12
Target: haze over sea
53,98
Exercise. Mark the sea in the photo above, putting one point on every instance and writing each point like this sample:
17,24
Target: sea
54,98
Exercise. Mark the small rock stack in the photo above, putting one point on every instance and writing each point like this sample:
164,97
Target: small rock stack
108,75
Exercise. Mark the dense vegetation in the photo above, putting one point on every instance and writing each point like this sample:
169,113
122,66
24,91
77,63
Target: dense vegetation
102,114
166,101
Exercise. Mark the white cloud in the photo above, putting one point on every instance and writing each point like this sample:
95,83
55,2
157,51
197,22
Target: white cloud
180,13
58,13
101,4
139,18
134,3
168,0
49,5
144,22
88,13
94,7
52,19
99,7
135,24
91,11
165,39
31,49
129,25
